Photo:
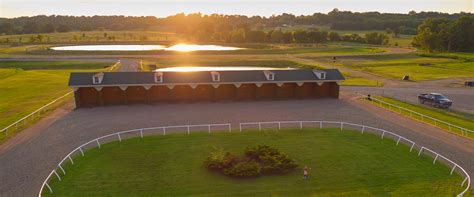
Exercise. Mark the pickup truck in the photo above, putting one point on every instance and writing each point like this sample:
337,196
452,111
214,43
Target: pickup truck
435,99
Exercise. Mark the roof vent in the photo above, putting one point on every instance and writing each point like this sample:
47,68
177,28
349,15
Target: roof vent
269,75
216,77
320,74
158,77
97,78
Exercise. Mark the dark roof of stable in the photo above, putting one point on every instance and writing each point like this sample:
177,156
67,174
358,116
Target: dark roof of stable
202,77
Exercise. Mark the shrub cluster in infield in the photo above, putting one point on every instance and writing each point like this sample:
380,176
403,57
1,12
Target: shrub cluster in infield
343,163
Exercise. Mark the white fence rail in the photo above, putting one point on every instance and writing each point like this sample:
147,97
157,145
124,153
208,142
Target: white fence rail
254,126
423,117
32,116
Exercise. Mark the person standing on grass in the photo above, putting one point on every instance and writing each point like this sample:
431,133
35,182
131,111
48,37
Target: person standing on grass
306,172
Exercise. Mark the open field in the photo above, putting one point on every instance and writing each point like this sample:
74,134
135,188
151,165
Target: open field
419,68
23,91
93,36
56,65
360,81
440,114
172,165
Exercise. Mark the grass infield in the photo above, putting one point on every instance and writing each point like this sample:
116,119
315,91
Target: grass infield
29,85
344,163
448,116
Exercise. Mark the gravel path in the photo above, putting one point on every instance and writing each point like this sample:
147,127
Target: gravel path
463,98
25,163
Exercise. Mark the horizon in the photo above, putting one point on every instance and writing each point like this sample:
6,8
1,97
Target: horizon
264,8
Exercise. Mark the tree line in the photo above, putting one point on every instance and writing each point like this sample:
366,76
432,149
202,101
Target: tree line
336,20
242,35
442,35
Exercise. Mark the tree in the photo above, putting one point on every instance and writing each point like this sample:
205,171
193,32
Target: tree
30,27
287,37
430,35
238,36
376,38
301,36
63,28
334,36
48,28
255,36
276,36
6,28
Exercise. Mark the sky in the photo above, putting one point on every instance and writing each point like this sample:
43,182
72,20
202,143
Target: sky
162,8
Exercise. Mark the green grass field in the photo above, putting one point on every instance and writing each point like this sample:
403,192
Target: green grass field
48,65
344,163
24,91
440,114
419,68
94,37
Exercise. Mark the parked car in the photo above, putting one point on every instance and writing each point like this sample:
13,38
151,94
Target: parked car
435,100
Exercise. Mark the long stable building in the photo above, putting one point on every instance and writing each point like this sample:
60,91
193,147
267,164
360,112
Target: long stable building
115,88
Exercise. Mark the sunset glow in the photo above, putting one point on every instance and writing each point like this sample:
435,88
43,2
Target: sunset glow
195,47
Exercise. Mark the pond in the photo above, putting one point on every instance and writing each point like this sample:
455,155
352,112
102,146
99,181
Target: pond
178,47
210,68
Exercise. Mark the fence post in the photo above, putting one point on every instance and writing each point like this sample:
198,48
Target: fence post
421,149
82,152
383,133
434,161
188,130
301,124
98,144
57,175
363,128
164,130
462,184
120,138
209,128
230,128
398,141
320,124
50,190
411,148
72,162
240,127
141,133
62,169
279,125
342,125
259,126
452,170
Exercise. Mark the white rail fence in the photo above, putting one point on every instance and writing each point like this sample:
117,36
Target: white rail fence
60,171
33,115
422,117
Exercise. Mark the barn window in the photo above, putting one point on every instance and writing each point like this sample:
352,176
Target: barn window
216,77
320,74
97,78
269,75
158,77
